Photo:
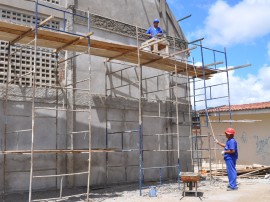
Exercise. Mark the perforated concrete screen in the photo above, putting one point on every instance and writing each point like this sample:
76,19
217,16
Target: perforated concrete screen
22,58
24,18
22,63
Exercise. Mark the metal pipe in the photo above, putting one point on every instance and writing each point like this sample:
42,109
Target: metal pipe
146,116
148,168
81,81
61,187
210,156
70,58
218,51
177,125
6,112
60,175
211,86
106,116
65,21
90,109
215,98
33,105
56,199
204,82
140,114
74,14
198,40
228,87
120,132
70,110
19,131
184,18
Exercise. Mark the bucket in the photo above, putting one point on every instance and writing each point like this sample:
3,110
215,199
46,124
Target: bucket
153,192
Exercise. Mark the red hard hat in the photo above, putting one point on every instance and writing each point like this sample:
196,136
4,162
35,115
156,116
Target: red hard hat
230,131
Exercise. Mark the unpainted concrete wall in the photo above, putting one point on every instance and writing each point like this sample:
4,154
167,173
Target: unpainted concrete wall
51,132
253,138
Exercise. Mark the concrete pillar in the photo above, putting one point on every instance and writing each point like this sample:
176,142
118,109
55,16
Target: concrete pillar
70,97
169,127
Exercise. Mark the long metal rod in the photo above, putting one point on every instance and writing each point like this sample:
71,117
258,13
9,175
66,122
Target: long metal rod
212,86
195,142
81,81
228,86
106,115
204,82
6,113
60,175
58,199
90,109
210,156
189,107
147,168
70,58
140,114
177,118
57,109
33,105
62,87
233,68
74,14
184,18
56,68
18,131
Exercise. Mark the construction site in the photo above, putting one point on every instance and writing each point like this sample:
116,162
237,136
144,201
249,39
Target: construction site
92,109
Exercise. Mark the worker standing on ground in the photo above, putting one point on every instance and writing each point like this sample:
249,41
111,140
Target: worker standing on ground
230,156
155,31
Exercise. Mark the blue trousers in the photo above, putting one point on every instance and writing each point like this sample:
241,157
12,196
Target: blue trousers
231,170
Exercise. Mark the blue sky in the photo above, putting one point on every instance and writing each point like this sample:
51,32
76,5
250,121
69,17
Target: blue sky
243,27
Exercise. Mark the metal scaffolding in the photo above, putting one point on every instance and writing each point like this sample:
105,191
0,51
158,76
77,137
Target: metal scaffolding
36,108
207,95
166,110
174,110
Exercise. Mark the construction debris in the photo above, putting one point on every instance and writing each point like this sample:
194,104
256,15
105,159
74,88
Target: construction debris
253,171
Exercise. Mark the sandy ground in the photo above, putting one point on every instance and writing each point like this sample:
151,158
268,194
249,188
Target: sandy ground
250,190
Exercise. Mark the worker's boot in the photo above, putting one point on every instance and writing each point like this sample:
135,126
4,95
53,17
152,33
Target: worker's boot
230,189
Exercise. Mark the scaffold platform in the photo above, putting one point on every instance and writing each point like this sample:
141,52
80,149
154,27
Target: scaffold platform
128,53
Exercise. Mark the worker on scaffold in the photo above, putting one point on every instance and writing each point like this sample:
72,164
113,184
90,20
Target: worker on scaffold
230,153
155,30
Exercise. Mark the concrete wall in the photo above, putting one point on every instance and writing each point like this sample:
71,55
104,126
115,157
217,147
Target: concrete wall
253,138
139,13
114,115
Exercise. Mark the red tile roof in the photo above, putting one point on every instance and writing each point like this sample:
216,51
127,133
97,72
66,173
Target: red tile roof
242,107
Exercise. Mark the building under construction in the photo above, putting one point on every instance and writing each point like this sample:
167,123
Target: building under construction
86,103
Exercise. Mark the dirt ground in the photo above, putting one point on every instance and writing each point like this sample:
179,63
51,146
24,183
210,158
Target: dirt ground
250,190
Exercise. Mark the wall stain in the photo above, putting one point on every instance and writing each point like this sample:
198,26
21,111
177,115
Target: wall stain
244,137
262,145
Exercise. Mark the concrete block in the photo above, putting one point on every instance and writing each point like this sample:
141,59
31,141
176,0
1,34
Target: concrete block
132,173
19,181
116,174
116,159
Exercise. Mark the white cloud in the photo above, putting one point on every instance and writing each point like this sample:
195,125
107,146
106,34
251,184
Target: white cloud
253,88
242,23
